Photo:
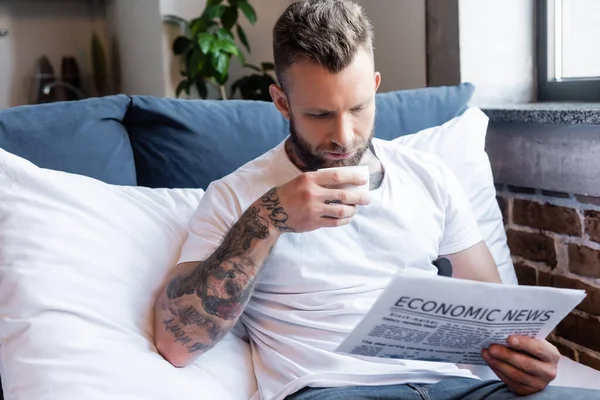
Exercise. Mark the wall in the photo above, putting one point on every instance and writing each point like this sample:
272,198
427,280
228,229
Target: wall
136,28
543,153
443,46
545,162
55,29
497,50
183,8
400,51
555,241
138,44
399,39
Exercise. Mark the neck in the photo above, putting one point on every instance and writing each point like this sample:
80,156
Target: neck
292,153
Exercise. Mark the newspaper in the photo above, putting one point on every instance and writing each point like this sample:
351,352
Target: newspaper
435,318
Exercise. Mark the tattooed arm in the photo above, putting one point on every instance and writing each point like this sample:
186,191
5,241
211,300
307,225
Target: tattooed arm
203,300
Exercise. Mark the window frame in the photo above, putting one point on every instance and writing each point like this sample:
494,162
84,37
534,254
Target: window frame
571,89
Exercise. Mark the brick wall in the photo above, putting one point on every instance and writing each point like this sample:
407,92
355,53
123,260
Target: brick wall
554,239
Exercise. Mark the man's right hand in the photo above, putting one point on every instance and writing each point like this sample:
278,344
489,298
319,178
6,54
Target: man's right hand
307,203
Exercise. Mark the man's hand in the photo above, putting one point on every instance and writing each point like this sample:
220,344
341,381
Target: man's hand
527,365
306,203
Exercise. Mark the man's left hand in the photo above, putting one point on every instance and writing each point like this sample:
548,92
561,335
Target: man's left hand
526,365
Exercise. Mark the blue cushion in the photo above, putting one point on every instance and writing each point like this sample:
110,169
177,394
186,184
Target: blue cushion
83,137
190,143
409,111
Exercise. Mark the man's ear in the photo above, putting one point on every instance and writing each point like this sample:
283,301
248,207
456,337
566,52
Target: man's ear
377,80
280,100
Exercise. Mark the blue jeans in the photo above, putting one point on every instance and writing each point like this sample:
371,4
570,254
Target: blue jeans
448,389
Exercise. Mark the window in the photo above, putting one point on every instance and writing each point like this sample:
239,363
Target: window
568,33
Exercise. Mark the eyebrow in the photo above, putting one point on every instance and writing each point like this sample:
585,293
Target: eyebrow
326,111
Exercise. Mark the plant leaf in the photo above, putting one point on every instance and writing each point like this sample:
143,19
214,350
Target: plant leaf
267,66
254,67
184,85
188,62
213,2
208,70
243,38
212,12
205,41
201,25
222,79
181,45
223,33
241,58
202,89
229,17
254,87
248,11
198,26
196,63
225,46
221,63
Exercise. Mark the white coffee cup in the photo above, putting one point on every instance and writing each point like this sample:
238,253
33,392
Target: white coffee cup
362,170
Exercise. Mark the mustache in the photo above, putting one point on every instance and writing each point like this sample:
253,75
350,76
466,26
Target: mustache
336,148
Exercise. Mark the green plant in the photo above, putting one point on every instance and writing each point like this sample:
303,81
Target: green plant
208,46
255,86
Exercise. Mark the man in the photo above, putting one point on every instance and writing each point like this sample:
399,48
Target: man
298,262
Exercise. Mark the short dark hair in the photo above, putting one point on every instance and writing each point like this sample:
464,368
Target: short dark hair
328,33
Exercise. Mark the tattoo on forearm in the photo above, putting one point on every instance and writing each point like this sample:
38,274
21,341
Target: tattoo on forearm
178,333
190,316
182,337
198,346
223,283
277,213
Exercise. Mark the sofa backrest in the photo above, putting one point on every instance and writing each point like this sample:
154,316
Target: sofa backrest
158,142
183,143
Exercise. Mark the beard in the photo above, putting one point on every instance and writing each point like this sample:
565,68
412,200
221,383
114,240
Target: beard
312,158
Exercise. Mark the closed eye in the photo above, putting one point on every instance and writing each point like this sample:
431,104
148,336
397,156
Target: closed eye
320,116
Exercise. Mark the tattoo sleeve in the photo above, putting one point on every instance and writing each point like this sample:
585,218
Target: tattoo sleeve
277,214
203,303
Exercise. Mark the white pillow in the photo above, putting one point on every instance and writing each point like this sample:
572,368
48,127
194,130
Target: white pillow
81,262
460,143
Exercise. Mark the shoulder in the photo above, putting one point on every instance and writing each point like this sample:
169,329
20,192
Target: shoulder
420,164
242,187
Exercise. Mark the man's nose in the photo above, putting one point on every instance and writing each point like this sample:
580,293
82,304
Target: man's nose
343,134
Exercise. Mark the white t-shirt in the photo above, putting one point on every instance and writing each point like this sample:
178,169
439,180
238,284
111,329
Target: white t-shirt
317,286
